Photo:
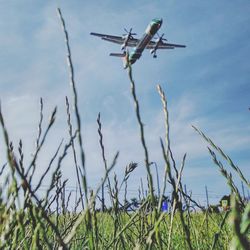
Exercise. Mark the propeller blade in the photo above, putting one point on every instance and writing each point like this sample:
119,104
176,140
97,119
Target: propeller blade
163,39
132,34
129,32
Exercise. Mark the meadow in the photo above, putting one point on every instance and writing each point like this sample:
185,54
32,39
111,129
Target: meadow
29,221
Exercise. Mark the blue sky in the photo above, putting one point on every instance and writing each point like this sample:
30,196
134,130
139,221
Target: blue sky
207,83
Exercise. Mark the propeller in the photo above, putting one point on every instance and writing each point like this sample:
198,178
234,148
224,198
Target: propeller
160,38
129,33
157,43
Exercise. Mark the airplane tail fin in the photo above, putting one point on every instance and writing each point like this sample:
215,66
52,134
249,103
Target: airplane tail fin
118,54
124,56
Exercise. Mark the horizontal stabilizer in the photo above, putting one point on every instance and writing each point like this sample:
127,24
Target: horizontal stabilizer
118,54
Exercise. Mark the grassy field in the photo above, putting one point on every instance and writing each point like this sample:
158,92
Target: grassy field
203,228
31,222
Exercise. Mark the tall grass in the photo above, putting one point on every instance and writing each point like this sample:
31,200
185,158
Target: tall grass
29,221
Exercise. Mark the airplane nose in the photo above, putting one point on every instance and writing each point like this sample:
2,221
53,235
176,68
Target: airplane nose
159,23
156,23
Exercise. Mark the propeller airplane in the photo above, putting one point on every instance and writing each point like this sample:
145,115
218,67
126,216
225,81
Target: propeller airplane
146,42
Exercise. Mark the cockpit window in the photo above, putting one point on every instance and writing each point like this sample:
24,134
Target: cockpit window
156,20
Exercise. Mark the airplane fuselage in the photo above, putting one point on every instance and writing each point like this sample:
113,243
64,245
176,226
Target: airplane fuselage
138,45
151,30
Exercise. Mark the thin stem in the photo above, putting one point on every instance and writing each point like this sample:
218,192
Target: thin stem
226,157
138,116
103,153
77,114
74,150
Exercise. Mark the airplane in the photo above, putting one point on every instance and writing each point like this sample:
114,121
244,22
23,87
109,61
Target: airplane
128,40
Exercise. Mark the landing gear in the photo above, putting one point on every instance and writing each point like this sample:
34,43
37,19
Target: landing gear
153,52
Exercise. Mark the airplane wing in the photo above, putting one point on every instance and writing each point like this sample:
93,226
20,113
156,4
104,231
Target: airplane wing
164,45
132,42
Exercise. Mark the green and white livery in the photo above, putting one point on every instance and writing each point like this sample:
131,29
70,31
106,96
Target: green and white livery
146,42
